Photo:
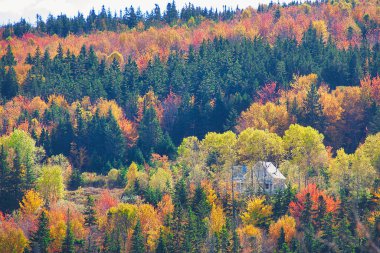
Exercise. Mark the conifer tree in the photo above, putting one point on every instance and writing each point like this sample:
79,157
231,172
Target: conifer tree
68,242
327,233
374,124
10,85
138,239
162,246
8,59
306,212
40,240
320,212
313,115
5,183
90,220
150,132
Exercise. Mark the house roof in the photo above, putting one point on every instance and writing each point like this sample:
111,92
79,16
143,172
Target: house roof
270,168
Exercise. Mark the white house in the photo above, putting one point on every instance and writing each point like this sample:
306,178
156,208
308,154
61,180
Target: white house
262,177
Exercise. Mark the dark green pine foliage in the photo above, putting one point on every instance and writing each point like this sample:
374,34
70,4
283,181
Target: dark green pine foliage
327,234
156,76
200,209
16,183
320,213
40,240
180,195
62,136
113,81
344,237
236,247
90,213
111,243
312,112
281,201
162,245
9,86
310,243
307,211
5,183
150,133
374,124
192,237
138,245
8,59
106,143
69,240
281,240
90,221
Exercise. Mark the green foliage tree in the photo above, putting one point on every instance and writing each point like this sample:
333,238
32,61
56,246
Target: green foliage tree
40,240
69,240
138,245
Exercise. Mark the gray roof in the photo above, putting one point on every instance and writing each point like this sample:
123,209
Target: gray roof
270,168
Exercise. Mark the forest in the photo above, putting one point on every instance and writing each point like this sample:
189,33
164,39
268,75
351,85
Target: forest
122,132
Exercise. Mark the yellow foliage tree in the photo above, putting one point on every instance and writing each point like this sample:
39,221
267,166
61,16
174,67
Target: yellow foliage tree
131,176
50,183
321,28
31,203
268,116
259,145
257,212
150,224
353,171
217,219
161,180
12,238
288,223
305,148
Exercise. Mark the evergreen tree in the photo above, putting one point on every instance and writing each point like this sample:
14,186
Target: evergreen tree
90,213
10,85
235,242
5,182
138,245
374,124
320,212
327,233
309,238
8,59
40,240
162,246
306,212
90,221
313,115
150,132
16,182
68,242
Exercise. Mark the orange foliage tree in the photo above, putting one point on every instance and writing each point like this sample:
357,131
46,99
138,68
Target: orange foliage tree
296,207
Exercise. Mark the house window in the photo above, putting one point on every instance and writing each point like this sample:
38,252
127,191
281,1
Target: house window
267,186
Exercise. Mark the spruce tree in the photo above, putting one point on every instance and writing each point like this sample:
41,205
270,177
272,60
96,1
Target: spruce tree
374,124
10,85
150,132
138,239
320,212
313,115
40,240
68,242
90,221
162,244
5,183
327,233
8,59
306,212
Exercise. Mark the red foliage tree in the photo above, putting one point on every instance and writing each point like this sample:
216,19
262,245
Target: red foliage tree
296,207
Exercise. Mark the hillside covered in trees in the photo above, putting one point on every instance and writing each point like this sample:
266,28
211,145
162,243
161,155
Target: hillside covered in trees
119,131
